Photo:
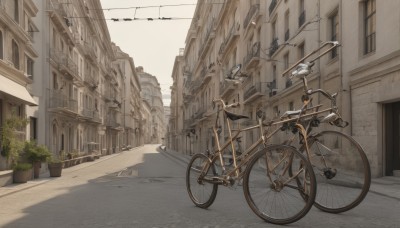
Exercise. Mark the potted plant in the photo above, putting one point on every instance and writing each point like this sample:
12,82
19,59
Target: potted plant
55,167
22,172
12,145
36,154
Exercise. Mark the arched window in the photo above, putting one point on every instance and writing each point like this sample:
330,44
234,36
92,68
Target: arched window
15,54
1,45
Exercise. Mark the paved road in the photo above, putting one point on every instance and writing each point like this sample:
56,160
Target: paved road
143,188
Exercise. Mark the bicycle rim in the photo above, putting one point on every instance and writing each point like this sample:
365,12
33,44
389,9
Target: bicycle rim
276,196
202,193
341,169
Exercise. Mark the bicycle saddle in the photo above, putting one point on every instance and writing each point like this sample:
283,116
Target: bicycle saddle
233,116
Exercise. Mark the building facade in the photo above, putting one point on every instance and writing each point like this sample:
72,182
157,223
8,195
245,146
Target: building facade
82,81
151,92
263,38
17,56
132,117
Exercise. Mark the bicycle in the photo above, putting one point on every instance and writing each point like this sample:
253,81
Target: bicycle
340,164
271,191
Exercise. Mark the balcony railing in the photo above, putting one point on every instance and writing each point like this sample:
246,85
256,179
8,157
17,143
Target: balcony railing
62,101
233,33
207,38
252,56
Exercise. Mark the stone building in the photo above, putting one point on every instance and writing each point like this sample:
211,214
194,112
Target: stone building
151,92
17,55
263,38
131,103
81,82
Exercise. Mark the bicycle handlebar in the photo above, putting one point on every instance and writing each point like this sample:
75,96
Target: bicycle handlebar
334,45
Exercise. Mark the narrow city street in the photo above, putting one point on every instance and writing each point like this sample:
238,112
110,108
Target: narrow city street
145,188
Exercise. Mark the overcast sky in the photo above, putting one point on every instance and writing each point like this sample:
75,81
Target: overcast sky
151,44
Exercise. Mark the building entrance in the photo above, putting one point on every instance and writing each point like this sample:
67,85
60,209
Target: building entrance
392,117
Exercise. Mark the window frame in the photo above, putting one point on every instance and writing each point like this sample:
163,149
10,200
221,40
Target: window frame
369,20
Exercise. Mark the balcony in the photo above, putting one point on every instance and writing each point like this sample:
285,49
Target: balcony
254,9
59,15
273,47
210,35
252,92
253,56
113,123
61,102
91,81
272,6
230,39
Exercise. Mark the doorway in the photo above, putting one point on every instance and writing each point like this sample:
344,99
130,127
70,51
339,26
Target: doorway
392,126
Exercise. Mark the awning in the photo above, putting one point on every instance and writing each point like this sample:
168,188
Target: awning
16,90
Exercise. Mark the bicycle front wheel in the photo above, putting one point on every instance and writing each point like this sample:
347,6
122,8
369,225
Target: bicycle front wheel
342,171
201,192
272,192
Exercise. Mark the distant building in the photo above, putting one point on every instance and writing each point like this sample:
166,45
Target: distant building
151,92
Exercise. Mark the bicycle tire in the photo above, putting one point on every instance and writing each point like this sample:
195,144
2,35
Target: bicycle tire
345,180
202,193
263,194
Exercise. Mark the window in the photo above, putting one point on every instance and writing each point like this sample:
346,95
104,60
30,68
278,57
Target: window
287,33
1,45
286,61
33,128
15,54
291,106
29,66
302,12
301,50
16,11
55,83
334,22
369,26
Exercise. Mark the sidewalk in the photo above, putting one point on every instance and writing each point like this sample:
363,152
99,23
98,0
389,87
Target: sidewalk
388,186
45,177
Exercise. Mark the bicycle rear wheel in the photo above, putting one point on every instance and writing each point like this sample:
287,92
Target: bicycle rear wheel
272,192
342,171
201,192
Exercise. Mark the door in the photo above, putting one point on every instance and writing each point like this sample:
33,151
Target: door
392,117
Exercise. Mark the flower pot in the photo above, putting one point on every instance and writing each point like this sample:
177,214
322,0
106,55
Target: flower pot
55,169
22,176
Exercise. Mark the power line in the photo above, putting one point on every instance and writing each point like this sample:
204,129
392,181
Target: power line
144,7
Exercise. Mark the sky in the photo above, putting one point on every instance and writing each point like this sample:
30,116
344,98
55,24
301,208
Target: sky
152,44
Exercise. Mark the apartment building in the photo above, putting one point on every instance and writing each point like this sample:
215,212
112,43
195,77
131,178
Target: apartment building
151,93
131,103
263,38
87,88
17,56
